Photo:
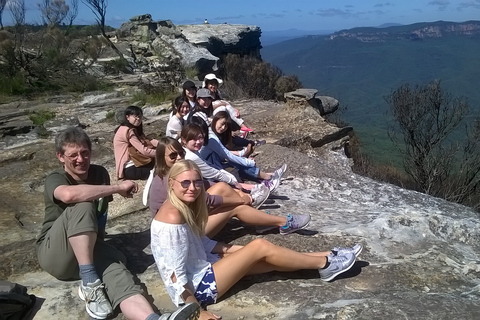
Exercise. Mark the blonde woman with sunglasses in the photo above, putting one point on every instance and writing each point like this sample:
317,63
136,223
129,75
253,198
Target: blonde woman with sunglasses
199,270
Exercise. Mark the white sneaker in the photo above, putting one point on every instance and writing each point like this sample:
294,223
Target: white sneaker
356,249
338,265
96,301
259,194
280,171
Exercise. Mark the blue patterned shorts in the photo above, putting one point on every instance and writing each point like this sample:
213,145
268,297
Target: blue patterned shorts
206,292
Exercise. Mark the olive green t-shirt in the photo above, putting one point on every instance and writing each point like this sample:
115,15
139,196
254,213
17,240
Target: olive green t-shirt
97,175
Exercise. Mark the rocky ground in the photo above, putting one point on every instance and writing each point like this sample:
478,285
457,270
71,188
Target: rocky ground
420,258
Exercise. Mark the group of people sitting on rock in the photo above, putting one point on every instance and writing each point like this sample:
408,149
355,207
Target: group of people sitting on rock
196,186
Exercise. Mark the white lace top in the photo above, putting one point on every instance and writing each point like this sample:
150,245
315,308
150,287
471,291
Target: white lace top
177,250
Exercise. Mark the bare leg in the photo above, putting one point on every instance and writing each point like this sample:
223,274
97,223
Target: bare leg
265,175
136,307
82,245
261,256
218,218
223,189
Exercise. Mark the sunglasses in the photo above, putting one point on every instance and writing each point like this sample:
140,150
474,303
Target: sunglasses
186,183
173,155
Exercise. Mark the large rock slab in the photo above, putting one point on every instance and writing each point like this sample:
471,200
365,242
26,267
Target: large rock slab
420,258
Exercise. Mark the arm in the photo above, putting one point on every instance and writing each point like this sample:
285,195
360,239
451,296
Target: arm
87,192
137,144
209,172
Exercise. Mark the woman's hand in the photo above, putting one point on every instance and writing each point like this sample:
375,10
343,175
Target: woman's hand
207,315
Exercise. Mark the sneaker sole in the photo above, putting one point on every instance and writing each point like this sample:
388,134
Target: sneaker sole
190,311
359,251
293,230
339,272
264,229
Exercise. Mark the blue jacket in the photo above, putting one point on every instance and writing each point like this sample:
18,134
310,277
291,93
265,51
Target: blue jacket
216,154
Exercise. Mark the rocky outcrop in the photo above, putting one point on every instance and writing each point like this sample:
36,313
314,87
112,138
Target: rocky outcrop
222,39
323,104
152,44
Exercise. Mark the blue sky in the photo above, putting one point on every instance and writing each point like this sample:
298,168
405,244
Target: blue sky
272,15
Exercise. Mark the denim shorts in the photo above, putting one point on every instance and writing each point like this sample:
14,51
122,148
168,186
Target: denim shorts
206,292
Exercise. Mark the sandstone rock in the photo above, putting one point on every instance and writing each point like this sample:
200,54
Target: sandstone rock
420,259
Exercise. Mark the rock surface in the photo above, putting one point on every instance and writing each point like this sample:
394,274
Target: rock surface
420,257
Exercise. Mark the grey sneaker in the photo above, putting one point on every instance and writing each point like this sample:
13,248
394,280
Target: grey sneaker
280,171
295,223
338,264
190,311
259,194
272,184
96,301
356,249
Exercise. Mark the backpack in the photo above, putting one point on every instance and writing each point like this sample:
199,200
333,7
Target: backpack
15,302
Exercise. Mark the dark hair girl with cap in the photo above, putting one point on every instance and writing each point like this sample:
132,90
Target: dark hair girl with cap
203,108
189,92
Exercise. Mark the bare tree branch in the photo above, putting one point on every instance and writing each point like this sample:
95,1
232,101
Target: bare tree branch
3,3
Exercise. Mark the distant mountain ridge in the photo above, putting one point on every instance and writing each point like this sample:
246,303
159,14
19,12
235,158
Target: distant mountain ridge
361,66
415,31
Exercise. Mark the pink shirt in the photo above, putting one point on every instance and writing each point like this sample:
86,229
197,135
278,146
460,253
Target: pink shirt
120,148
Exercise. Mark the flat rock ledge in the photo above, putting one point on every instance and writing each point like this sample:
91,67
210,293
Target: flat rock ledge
420,257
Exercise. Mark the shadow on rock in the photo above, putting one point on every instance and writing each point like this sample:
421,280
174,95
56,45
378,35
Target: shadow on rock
132,245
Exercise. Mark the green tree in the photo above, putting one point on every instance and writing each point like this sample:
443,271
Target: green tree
425,118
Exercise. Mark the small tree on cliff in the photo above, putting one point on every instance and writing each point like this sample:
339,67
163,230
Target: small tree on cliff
425,117
99,9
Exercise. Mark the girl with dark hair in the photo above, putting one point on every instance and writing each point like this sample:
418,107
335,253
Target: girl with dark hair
203,108
175,124
189,92
129,137
218,156
197,269
221,126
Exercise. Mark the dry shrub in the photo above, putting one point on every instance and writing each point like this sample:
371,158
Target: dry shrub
255,78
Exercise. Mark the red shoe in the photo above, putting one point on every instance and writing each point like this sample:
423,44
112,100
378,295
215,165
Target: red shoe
247,129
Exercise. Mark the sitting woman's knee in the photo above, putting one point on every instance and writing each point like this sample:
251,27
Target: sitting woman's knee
260,244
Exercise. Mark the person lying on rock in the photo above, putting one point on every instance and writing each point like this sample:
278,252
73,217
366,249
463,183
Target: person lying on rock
134,152
197,269
212,83
69,248
223,201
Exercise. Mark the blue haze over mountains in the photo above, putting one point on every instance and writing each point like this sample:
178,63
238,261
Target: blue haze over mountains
360,66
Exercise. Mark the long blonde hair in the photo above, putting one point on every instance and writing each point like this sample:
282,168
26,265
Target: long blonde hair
195,213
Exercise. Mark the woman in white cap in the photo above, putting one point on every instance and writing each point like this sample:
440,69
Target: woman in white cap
212,83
